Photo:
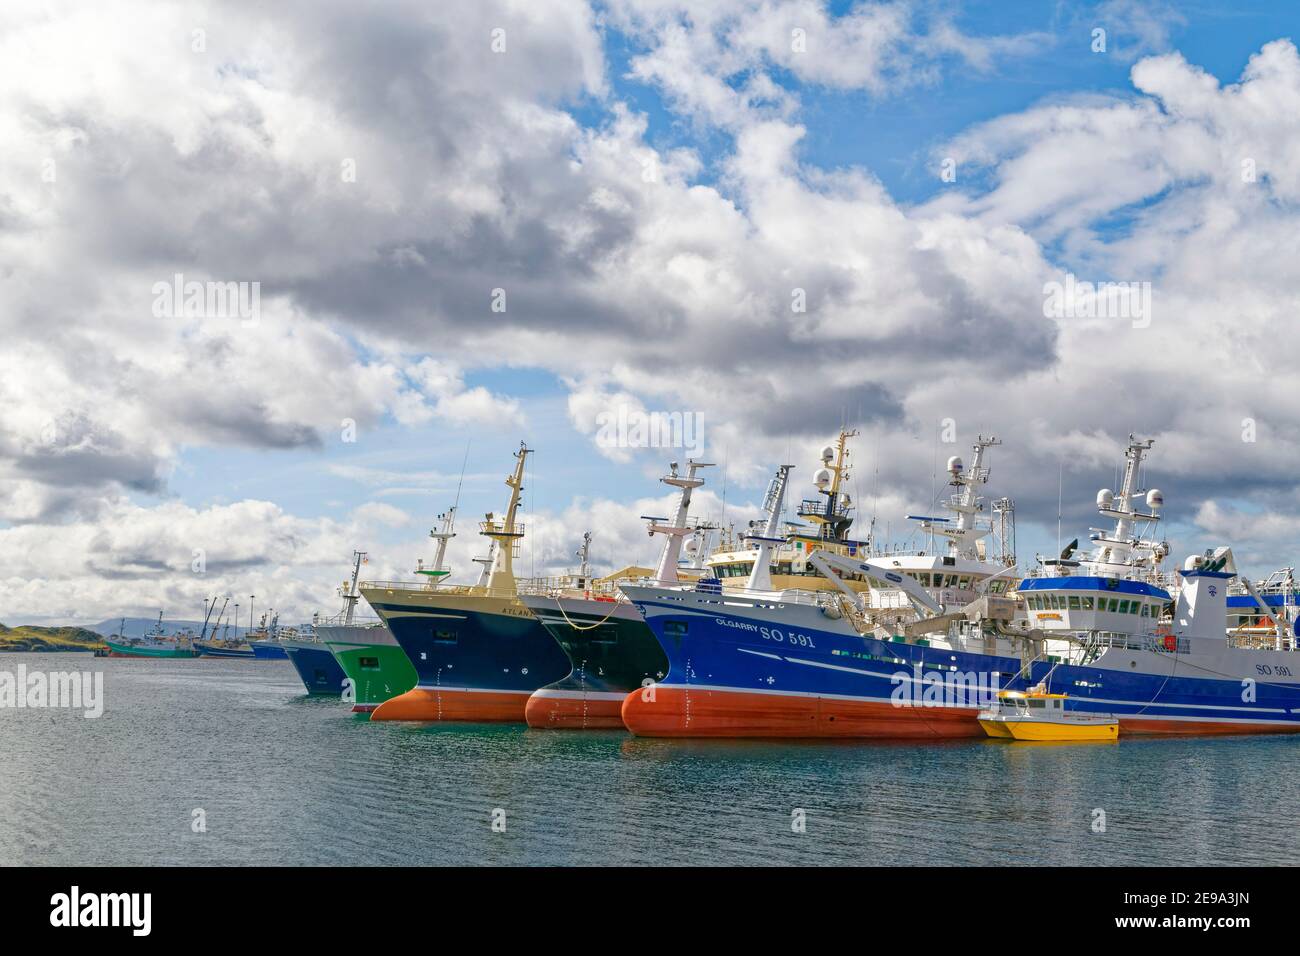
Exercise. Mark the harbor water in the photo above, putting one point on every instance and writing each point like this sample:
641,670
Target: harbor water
229,762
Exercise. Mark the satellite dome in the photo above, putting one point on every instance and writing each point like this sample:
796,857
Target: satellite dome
828,453
822,478
955,465
1155,499
1193,562
692,546
1105,498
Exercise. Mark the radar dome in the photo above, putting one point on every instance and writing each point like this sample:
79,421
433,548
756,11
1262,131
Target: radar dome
822,478
1105,498
828,453
955,465
1155,499
1193,562
691,546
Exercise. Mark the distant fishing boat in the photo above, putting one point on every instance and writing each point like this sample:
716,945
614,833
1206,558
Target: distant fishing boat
214,649
269,645
220,647
156,643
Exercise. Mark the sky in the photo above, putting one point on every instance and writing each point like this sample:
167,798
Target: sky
461,226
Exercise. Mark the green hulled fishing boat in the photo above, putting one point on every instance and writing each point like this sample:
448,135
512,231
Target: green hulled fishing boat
156,643
374,665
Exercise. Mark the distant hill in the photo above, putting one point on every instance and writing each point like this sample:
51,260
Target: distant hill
30,638
139,626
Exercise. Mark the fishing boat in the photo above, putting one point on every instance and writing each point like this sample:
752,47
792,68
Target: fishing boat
270,648
266,641
156,643
1107,630
209,645
319,672
478,651
610,649
374,666
1038,715
767,661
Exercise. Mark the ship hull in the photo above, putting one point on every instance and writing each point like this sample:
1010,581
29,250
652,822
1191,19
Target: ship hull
772,669
477,657
268,650
610,651
316,666
212,650
371,660
128,650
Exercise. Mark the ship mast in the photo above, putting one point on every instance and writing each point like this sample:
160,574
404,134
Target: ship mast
832,517
485,565
505,534
666,574
583,554
351,595
698,547
964,534
760,576
1115,553
444,533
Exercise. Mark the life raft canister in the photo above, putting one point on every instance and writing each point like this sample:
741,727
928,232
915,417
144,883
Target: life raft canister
1171,642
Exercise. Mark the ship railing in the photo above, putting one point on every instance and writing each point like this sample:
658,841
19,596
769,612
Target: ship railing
417,586
358,620
567,582
760,597
1260,639
449,589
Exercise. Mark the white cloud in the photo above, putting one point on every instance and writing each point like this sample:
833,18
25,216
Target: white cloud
625,272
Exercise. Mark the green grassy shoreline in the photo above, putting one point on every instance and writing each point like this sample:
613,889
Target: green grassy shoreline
31,638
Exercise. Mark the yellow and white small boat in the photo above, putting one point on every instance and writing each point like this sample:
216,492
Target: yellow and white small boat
1038,715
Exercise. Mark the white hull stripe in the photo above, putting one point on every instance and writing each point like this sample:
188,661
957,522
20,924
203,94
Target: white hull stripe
468,690
581,694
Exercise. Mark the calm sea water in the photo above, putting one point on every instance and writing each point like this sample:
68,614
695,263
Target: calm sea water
287,779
